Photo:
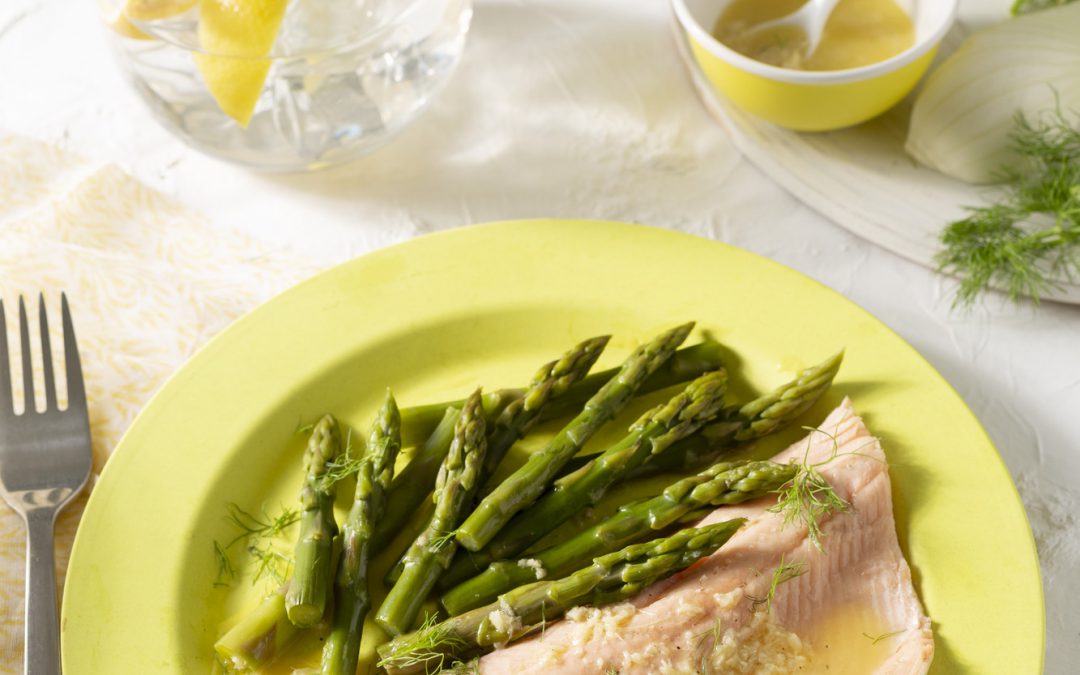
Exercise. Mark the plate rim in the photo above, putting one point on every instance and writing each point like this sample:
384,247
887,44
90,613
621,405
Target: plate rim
104,484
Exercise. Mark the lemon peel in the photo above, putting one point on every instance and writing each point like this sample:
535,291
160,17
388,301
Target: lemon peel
236,37
120,18
152,10
121,25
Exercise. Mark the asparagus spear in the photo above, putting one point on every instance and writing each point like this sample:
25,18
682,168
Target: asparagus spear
610,578
760,417
652,434
738,424
724,483
413,484
522,487
341,651
306,598
418,422
259,637
431,552
515,414
550,382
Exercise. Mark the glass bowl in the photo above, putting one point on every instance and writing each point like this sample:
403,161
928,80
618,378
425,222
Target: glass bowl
287,85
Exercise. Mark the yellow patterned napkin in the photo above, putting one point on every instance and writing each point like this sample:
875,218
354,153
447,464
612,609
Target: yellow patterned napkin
148,282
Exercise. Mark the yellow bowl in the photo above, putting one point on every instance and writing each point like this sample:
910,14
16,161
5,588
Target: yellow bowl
813,100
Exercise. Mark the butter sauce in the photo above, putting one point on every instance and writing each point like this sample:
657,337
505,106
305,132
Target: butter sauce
850,640
859,33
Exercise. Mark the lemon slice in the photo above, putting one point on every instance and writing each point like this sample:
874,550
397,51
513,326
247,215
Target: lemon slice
236,36
120,24
152,10
118,16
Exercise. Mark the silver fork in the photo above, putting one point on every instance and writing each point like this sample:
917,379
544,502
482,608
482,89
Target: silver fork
44,462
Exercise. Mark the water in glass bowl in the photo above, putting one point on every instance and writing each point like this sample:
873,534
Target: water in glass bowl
334,80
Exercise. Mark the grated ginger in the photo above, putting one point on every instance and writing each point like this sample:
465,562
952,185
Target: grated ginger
759,646
536,566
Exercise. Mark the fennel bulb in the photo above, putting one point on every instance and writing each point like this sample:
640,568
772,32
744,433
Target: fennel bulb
963,117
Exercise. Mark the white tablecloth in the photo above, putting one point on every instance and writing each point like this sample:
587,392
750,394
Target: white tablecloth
581,108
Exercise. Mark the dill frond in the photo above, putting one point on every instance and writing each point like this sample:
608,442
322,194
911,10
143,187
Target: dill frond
259,535
440,541
266,526
226,572
808,498
346,464
1029,241
427,647
783,573
270,563
1027,6
471,667
874,639
716,632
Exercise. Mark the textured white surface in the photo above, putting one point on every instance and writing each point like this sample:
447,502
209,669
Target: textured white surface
581,108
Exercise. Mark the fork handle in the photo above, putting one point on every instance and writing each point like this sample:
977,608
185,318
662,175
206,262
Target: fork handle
42,650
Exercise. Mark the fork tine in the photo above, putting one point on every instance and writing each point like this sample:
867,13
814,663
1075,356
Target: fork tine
46,355
72,365
7,405
29,405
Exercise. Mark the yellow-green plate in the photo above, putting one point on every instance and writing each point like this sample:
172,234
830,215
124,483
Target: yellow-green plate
442,314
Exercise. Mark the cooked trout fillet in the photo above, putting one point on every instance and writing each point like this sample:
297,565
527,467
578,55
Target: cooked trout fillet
852,610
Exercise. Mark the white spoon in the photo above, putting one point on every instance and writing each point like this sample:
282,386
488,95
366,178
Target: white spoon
811,18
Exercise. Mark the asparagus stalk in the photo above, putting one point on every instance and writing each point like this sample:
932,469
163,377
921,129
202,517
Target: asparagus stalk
418,422
306,597
413,484
515,415
522,487
341,651
651,435
259,637
724,483
429,555
738,425
610,578
550,382
758,418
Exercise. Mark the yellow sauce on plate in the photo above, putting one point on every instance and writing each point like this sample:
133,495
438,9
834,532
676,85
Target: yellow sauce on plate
851,640
859,33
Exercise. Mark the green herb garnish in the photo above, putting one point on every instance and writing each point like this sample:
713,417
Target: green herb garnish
226,572
1027,6
783,573
442,540
342,466
265,526
1029,241
270,562
258,535
808,498
874,639
427,648
471,667
716,632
